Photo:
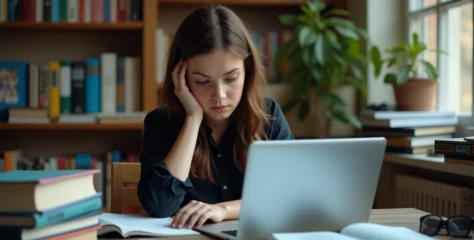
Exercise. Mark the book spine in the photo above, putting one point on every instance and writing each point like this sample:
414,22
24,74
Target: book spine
106,9
72,11
120,84
63,4
65,87
93,85
39,11
55,10
135,9
46,10
43,86
108,78
68,212
78,91
54,95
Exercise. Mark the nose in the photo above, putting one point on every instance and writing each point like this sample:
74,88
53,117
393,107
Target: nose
220,91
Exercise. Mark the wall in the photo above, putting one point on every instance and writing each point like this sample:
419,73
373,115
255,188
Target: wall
386,24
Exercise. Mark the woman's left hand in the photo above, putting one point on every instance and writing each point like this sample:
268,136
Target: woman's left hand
196,213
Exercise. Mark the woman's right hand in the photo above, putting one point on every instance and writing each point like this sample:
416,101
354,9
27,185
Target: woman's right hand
190,104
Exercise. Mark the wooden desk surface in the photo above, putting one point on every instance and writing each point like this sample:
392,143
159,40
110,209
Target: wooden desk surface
404,217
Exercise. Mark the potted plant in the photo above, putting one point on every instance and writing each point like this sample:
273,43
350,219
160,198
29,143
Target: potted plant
325,54
414,79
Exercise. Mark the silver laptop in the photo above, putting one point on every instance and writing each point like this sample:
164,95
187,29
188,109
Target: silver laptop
305,185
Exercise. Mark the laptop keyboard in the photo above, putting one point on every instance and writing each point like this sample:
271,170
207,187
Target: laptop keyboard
231,232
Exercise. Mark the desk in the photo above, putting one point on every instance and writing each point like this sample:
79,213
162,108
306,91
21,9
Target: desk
405,217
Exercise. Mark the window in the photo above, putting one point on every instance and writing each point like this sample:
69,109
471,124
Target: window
447,25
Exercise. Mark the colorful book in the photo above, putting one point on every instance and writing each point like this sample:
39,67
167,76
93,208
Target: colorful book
84,221
53,215
33,190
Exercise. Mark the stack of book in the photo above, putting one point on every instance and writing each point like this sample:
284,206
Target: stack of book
456,150
411,132
49,204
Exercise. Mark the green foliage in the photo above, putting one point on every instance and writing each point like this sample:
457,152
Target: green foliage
406,55
324,53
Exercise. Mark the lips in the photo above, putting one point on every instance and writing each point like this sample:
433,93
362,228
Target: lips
219,107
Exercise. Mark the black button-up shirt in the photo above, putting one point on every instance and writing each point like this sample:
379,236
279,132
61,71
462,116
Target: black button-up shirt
162,195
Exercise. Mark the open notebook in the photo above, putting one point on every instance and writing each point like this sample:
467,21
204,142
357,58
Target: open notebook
129,225
357,231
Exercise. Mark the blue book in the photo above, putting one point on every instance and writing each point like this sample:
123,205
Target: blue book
85,221
53,215
13,86
39,190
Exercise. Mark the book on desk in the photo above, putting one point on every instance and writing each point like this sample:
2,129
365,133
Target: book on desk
53,204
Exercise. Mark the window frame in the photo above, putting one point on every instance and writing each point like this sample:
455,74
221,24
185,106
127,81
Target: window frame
465,118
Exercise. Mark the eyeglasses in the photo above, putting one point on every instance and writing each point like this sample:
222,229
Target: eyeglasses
456,226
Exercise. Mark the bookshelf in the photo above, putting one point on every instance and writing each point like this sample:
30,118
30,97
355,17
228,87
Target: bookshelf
66,127
132,26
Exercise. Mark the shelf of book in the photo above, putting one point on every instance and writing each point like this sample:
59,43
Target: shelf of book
235,2
62,126
129,25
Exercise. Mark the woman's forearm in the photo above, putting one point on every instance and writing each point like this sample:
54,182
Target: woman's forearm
179,158
231,208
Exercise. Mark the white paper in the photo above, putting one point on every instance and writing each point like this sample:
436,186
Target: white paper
371,231
145,224
311,236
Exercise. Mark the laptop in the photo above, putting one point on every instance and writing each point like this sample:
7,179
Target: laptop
305,185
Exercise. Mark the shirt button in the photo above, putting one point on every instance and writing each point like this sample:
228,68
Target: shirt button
224,187
219,155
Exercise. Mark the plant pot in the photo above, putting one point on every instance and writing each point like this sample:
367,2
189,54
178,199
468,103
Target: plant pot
416,95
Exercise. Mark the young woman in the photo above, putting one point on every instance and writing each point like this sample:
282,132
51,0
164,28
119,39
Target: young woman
194,149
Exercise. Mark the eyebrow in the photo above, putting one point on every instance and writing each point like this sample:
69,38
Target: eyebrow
204,75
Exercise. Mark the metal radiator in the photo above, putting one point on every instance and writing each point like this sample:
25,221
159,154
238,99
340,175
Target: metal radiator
433,197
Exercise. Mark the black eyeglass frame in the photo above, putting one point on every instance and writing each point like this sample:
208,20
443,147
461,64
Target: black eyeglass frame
443,224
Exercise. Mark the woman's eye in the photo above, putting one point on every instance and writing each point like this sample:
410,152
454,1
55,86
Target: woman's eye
202,82
231,79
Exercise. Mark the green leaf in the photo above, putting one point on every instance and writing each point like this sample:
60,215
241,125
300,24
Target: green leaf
347,32
288,19
332,99
303,110
356,72
316,6
305,19
415,39
338,12
319,49
340,60
417,49
317,74
439,51
290,104
376,60
333,39
306,10
362,33
392,61
390,78
399,49
404,74
345,117
334,21
430,70
306,36
307,56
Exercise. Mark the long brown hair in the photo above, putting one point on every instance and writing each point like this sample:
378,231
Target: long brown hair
201,32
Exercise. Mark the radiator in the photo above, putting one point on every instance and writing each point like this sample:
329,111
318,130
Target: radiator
433,197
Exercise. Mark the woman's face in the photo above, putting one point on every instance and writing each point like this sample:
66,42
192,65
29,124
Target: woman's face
216,80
